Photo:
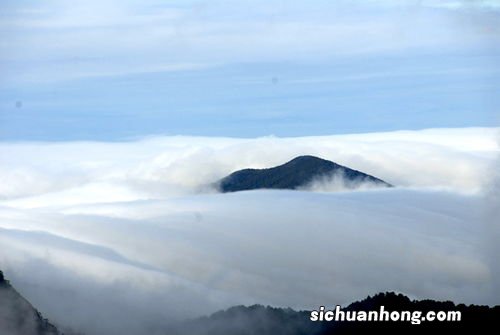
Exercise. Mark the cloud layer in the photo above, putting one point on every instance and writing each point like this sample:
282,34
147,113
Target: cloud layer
109,38
39,174
86,227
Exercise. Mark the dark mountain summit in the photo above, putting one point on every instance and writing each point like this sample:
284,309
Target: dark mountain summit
297,173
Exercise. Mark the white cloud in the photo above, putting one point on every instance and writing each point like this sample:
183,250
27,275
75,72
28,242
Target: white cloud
117,38
212,251
38,174
89,226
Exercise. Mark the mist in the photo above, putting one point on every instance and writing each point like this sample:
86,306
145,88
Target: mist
62,173
128,237
338,182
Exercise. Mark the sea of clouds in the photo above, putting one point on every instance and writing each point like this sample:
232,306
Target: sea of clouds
126,237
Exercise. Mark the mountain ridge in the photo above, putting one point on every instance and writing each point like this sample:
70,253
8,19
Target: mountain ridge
294,174
267,320
18,316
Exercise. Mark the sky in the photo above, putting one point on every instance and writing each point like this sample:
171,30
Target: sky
117,70
117,117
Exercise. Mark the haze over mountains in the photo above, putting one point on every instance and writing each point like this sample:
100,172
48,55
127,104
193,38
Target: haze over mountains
100,225
300,172
18,316
118,118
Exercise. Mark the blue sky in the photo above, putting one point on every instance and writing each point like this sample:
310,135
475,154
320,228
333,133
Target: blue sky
113,70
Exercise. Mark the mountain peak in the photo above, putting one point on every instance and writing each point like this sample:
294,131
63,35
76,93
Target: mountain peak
294,174
308,159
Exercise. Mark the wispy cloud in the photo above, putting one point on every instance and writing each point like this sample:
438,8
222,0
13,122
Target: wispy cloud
128,35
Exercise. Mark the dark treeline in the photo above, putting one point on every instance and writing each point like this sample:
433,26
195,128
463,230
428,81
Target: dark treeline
263,320
19,317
